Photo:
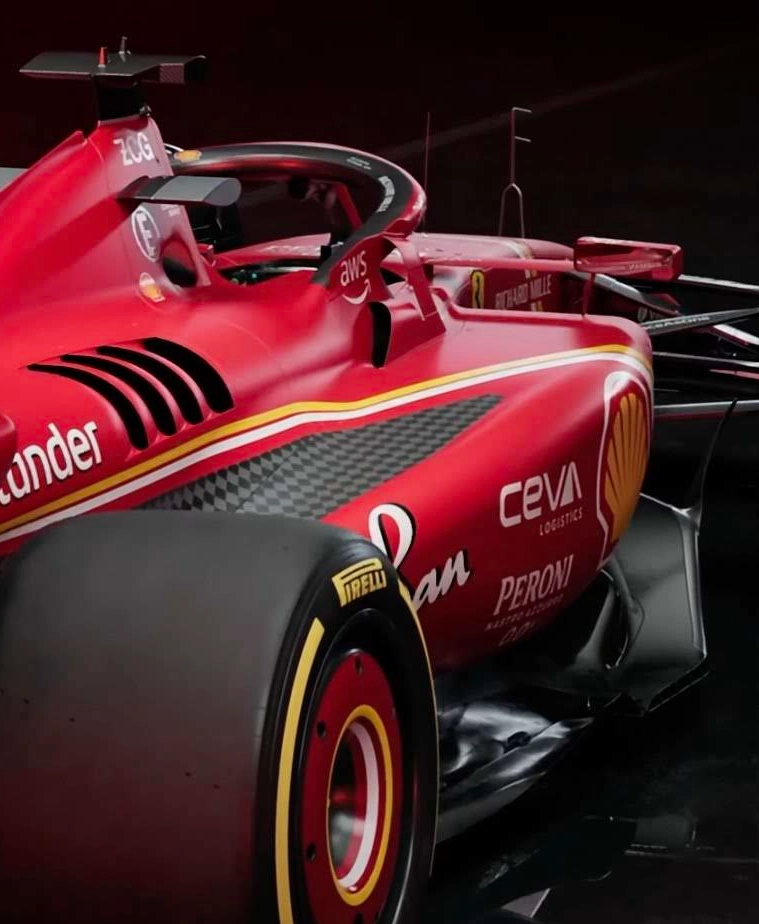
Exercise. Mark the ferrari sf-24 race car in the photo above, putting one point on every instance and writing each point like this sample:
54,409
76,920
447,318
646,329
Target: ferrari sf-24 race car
365,548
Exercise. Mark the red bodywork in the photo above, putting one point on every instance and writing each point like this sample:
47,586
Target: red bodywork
496,531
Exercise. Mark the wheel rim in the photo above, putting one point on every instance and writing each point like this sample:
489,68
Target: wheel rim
351,809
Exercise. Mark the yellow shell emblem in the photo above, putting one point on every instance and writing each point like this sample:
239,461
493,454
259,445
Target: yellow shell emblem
626,460
188,156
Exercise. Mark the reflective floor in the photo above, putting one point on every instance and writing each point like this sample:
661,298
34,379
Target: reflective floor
653,820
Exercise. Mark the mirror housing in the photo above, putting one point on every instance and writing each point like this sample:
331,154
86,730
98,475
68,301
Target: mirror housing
662,262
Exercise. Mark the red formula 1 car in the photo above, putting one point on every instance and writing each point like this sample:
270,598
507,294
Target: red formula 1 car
367,553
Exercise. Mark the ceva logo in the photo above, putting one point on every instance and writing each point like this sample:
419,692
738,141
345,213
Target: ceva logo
539,495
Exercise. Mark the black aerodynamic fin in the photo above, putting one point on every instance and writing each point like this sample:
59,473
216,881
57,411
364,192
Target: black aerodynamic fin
694,499
692,388
646,642
656,570
120,66
632,641
218,192
636,637
690,322
685,284
117,77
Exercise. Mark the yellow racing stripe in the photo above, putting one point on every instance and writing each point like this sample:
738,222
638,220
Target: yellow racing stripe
299,407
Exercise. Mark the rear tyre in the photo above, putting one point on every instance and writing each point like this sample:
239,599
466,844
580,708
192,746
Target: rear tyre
212,718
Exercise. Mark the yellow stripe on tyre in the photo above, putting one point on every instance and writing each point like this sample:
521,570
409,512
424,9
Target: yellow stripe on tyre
284,782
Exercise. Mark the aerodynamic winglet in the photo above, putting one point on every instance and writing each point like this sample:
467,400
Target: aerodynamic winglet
217,191
83,65
682,322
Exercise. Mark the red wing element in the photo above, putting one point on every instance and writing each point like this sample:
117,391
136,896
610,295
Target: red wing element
628,258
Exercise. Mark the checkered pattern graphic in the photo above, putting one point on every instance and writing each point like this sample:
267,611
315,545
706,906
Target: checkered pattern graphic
317,474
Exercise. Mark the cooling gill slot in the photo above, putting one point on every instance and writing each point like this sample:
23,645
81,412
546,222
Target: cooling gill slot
154,400
132,421
209,381
171,380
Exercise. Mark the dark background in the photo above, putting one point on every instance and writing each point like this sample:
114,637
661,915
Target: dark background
645,120
645,126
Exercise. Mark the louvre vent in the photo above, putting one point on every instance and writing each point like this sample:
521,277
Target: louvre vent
209,381
173,382
151,396
128,413
177,369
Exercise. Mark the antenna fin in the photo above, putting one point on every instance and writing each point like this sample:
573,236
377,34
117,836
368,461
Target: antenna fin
512,185
426,179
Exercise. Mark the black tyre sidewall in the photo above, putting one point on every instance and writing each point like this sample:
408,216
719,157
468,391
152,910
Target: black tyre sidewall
383,624
155,653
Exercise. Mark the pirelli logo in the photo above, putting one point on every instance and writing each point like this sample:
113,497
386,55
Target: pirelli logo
359,580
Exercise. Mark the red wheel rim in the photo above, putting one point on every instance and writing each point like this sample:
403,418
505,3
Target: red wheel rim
351,812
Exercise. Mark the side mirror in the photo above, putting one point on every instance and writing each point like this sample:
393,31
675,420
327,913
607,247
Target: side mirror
661,262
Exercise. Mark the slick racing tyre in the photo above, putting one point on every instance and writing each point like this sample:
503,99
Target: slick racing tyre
212,717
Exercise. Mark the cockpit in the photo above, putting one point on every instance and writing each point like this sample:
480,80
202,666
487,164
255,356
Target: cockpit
337,198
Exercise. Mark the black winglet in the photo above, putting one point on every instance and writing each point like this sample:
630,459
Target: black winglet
694,501
184,190
117,77
118,67
682,322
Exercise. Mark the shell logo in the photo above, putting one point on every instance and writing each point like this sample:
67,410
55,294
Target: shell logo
624,453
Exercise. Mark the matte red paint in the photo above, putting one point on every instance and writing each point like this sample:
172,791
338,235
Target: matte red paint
70,270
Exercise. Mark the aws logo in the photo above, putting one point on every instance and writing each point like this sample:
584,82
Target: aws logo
353,269
624,454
